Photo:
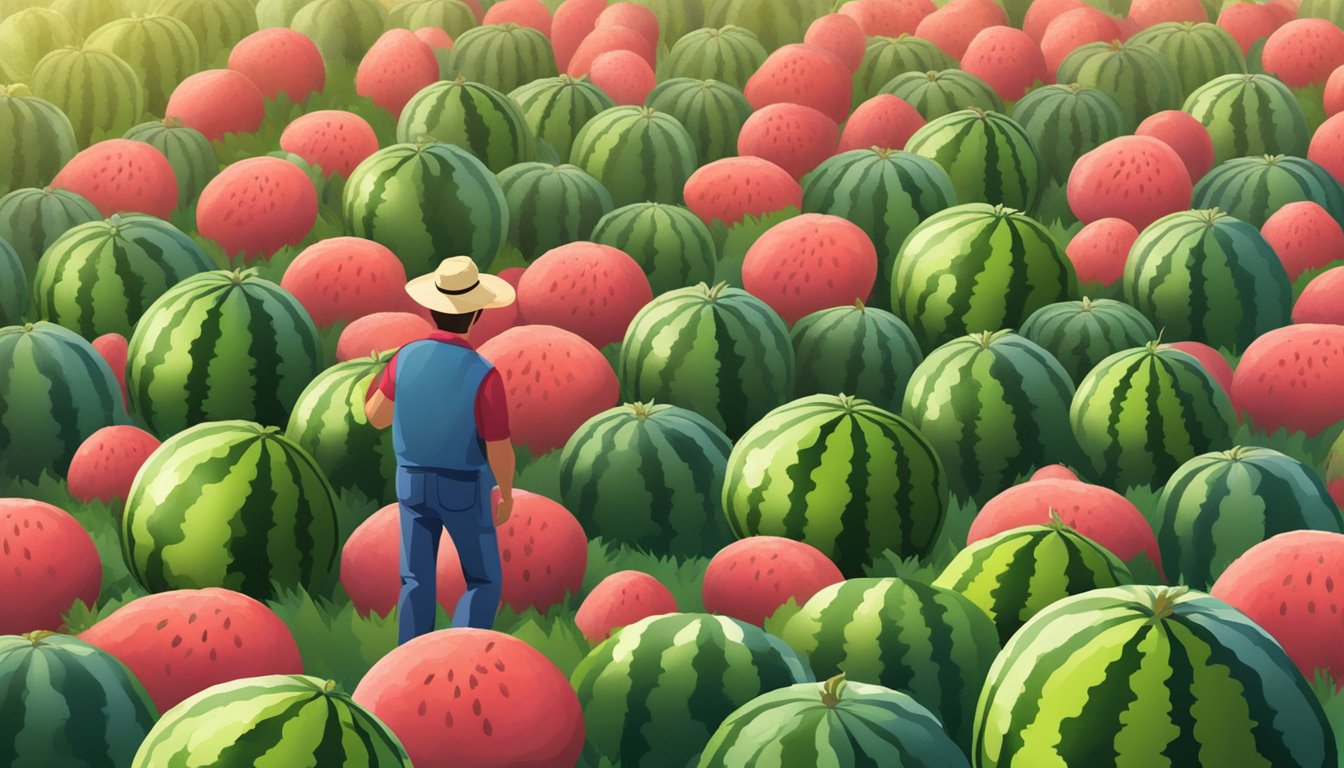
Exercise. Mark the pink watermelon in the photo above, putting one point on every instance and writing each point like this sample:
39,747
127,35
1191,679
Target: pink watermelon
1072,30
257,206
604,39
752,578
1304,52
734,187
1135,178
280,60
1305,236
113,348
1186,135
1319,301
105,464
955,25
543,551
345,278
621,599
631,16
120,176
496,321
803,74
1150,13
1041,12
1333,98
380,332
888,18
624,76
1006,58
1099,250
1247,23
218,102
841,35
1293,378
809,263
524,13
370,572
1054,472
585,288
792,136
334,140
884,121
572,22
397,67
1327,147
47,562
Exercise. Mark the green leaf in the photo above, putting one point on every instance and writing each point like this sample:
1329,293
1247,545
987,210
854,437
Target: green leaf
734,242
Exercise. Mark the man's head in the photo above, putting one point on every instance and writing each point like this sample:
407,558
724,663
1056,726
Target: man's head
456,292
454,323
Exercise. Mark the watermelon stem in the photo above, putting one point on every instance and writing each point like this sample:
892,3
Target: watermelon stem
641,409
37,637
1056,523
717,289
858,304
1087,304
1164,603
16,90
831,689
329,686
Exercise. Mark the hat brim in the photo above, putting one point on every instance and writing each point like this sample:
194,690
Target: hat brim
492,292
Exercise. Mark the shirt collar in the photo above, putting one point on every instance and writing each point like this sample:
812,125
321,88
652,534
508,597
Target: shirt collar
450,338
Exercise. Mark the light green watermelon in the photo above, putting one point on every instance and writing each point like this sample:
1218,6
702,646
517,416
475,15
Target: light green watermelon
1138,76
502,56
100,94
989,158
729,55
188,151
556,109
775,22
1081,334
1197,52
1249,115
1067,121
551,205
343,30
217,25
639,154
673,245
85,16
31,219
887,57
856,350
711,111
452,16
161,49
1254,188
27,36
473,116
938,93
39,139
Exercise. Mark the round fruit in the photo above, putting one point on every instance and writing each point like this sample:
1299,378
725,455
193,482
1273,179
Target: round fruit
1253,188
503,56
1212,360
1070,30
776,23
335,141
345,29
888,18
1319,301
122,176
804,75
97,91
1099,250
112,347
1284,380
280,61
620,599
1184,134
604,40
47,563
1067,121
671,244
105,465
988,156
188,152
381,332
624,76
1248,23
953,26
887,57
728,54
639,154
161,49
1007,59
342,279
809,263
556,287
856,350
472,116
1324,149
496,320
1304,236
731,189
751,579
1052,472
526,13
936,94
543,551
841,35
1224,105
218,102
797,138
395,69
882,122
1304,52
31,219
551,206
1197,52
1135,178
556,109
369,565
711,111
1081,334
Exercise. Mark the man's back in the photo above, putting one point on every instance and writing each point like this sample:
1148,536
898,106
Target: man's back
434,424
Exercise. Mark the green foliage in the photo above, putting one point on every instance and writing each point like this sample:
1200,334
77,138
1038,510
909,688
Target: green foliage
733,242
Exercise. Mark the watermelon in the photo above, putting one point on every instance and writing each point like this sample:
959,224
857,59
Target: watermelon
475,117
1332,10
728,55
27,36
1285,381
85,17
454,17
1254,188
1163,651
1205,276
1224,103
936,94
808,263
619,600
32,219
551,205
230,504
650,477
752,578
1305,237
41,139
97,91
590,290
624,75
282,62
1081,334
840,474
775,22
887,57
425,200
216,24
802,74
1197,52
274,13
989,157
13,285
734,188
1184,134
639,154
289,719
1014,575
886,193
343,30
928,641
221,345
161,49
1138,179
333,140
654,693
717,351
1099,250
1142,413
673,245
556,109
188,151
1137,75
105,465
884,122
1319,300
834,723
1008,59
328,422
121,176
58,391
101,277
841,35
218,102
793,137
1066,122
711,111
1219,505
1303,52
855,350
63,697
48,566
995,408
502,56
397,66
974,268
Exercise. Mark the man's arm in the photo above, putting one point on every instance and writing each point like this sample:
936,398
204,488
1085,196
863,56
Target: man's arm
378,410
492,420
502,464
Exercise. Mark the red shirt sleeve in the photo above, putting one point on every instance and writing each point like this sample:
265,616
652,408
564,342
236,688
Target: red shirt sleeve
385,382
492,409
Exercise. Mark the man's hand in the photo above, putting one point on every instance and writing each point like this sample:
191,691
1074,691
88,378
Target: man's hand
502,465
504,509
378,410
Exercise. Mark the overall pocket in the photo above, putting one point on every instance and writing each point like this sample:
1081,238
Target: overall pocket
457,493
411,488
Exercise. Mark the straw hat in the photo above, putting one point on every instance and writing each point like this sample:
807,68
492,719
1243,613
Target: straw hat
457,288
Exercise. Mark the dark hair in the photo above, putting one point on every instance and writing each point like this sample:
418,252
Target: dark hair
454,323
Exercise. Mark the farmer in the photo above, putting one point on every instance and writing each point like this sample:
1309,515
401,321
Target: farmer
450,428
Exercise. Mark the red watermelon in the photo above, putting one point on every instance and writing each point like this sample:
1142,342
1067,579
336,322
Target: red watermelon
120,176
1327,147
47,562
888,18
751,579
621,599
1041,12
280,60
380,332
500,319
734,187
334,140
841,35
585,288
1135,178
1100,249
1305,236
397,67
543,551
1150,13
953,26
1186,135
624,76
113,348
631,16
1211,360
344,278
1247,23
1006,58
1054,472
1333,98
257,206
105,464
1319,301
218,102
884,121
803,74
604,39
1304,52
572,22
1293,378
809,263
792,136
1071,30
369,565
524,13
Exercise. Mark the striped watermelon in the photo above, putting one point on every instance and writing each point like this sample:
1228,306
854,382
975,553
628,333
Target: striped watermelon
1205,276
988,156
673,245
1225,106
39,136
556,109
832,723
85,17
1016,574
221,345
995,406
27,36
1322,9
161,49
1254,188
31,219
711,111
1066,122
729,55
650,477
58,391
476,117
188,151
1218,505
887,57
101,277
775,22
928,641
719,351
1138,76
66,703
551,205
1197,52
100,94
1142,413
840,474
328,422
502,56
1215,689
276,13
427,200
272,720
886,193
454,17
230,504
938,93
343,30
1081,334
861,351
13,285
676,18
974,268
654,693
639,154
216,24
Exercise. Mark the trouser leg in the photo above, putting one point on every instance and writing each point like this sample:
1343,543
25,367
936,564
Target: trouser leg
419,556
478,549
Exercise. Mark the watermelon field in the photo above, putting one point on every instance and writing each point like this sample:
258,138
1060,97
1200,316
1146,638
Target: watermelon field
893,383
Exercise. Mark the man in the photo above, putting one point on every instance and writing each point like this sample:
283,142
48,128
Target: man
450,428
